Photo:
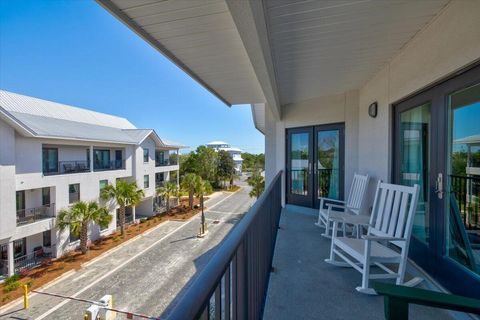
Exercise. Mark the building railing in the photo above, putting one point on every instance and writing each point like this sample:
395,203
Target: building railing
65,167
109,165
28,261
234,282
467,192
165,162
26,216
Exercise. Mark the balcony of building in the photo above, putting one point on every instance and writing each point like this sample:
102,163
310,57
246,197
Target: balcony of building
62,159
34,205
166,158
26,253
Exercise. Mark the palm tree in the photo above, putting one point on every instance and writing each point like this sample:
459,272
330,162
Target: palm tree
168,191
126,194
78,217
189,183
257,183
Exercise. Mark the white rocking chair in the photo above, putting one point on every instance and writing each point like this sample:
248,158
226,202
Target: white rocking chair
390,224
344,209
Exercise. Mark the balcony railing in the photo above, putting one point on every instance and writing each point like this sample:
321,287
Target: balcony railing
165,162
26,216
28,261
109,165
467,193
64,167
234,282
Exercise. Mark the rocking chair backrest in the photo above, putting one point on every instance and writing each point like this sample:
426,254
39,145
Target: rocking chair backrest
393,212
357,192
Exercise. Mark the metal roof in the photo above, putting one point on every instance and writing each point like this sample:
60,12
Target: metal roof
46,119
475,139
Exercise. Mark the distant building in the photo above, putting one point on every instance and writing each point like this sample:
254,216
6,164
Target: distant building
236,153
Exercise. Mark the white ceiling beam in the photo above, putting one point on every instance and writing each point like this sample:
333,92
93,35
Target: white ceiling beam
249,19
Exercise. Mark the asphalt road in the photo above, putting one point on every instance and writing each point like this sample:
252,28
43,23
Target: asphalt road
146,275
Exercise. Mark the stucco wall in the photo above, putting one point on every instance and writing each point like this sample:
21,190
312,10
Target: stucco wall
449,43
7,181
322,110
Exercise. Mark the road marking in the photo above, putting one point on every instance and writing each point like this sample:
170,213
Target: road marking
83,275
225,212
216,204
64,302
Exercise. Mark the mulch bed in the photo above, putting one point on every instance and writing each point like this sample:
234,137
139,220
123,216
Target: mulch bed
50,270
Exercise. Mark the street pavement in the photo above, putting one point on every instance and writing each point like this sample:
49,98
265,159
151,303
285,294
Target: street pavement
147,274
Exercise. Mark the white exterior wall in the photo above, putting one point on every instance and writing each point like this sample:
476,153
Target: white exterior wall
7,182
318,111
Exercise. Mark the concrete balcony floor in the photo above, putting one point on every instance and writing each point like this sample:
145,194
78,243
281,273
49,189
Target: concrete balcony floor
303,286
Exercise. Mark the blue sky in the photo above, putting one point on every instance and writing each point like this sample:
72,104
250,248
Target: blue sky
75,52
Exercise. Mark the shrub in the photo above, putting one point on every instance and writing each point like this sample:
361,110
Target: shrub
12,279
116,238
143,220
11,286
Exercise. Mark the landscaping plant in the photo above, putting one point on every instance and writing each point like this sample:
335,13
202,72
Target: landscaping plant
79,216
127,194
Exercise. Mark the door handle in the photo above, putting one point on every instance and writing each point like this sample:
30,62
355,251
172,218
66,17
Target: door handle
439,186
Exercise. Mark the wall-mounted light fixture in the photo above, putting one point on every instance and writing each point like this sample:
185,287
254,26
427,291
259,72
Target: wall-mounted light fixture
373,109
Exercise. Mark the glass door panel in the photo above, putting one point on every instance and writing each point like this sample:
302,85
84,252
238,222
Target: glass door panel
414,156
462,236
299,166
328,164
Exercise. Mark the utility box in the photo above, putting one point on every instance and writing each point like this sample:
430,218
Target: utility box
92,313
107,300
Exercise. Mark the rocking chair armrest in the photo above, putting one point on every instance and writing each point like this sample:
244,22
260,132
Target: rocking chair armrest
381,238
331,200
336,219
337,206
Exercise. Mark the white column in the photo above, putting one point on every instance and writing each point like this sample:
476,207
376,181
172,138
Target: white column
133,213
11,264
91,158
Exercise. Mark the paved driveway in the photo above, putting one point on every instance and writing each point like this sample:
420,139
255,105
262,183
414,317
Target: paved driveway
145,275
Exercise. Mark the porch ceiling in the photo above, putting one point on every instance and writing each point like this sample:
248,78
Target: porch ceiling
325,47
200,37
277,51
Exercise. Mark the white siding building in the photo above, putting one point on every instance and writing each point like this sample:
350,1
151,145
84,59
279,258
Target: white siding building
236,153
52,155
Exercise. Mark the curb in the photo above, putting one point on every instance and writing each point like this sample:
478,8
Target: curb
47,285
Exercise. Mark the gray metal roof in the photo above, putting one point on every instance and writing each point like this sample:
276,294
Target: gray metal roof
46,119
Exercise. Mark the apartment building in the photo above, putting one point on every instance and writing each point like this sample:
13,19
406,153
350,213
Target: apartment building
52,155
235,153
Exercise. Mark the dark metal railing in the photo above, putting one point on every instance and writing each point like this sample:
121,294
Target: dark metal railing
109,165
26,216
234,283
165,162
31,260
63,167
467,192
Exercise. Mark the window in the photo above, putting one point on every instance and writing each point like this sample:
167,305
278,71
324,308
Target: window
47,238
19,247
50,160
146,181
101,159
73,237
73,193
102,184
45,196
145,155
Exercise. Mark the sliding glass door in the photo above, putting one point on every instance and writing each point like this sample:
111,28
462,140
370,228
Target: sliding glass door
437,146
315,160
